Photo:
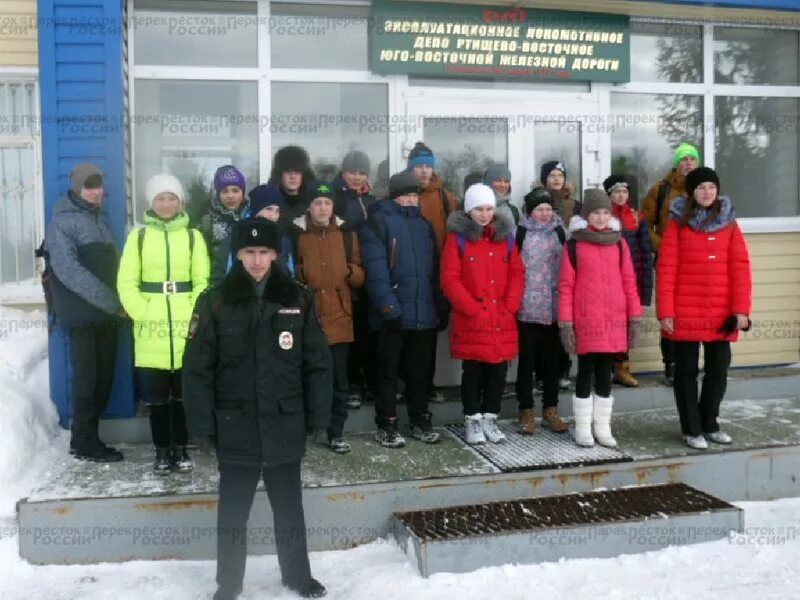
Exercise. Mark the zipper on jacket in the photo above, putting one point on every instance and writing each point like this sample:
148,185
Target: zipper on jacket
169,308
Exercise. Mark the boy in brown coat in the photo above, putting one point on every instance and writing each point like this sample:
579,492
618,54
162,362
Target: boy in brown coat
329,262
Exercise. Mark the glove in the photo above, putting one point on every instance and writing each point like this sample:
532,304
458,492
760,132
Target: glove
395,324
567,334
444,321
206,443
634,327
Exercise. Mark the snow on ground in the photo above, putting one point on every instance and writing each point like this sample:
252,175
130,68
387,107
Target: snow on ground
24,292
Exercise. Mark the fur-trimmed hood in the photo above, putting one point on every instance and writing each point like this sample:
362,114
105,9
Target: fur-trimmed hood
698,222
301,222
238,286
461,223
578,223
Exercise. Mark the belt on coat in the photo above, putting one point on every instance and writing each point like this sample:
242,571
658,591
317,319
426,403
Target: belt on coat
166,287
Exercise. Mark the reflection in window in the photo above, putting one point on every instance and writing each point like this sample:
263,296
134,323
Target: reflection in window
561,141
465,145
757,153
756,56
319,37
646,130
189,128
212,34
668,52
329,120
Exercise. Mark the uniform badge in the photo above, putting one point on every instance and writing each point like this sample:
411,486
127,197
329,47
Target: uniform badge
286,340
193,325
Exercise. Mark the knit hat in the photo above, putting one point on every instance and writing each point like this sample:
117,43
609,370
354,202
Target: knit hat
163,182
85,175
594,200
477,195
683,151
401,184
421,155
229,175
256,232
698,176
319,189
356,161
536,197
615,182
291,158
551,166
472,178
265,195
496,171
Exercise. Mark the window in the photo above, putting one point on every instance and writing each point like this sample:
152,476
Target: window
647,129
19,215
211,34
329,120
757,153
189,128
318,37
756,56
668,52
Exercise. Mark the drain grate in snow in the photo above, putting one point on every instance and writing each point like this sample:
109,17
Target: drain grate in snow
543,450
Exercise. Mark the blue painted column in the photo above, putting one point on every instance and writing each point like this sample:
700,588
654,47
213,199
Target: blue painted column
81,49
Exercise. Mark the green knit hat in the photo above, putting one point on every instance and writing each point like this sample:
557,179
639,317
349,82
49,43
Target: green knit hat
683,151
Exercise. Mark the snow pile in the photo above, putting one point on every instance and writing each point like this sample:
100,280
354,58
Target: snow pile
23,292
30,438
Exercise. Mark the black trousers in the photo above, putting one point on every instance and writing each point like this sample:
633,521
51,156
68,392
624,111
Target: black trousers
538,351
361,360
341,389
161,391
93,352
432,365
237,487
667,351
700,417
410,352
482,386
599,365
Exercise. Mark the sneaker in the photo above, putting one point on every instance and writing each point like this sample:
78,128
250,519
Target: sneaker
473,425
564,383
309,589
697,442
339,445
669,374
436,396
353,401
719,437
423,431
180,460
388,437
491,430
508,394
161,465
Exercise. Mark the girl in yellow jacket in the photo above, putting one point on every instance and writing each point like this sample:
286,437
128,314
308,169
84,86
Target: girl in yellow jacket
164,268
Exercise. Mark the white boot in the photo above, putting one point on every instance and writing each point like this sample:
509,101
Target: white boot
491,430
602,421
582,410
473,424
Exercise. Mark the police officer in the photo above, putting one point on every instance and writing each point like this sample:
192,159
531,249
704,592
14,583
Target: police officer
257,375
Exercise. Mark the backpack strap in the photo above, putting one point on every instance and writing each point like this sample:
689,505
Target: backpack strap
521,231
562,235
445,203
572,252
142,231
663,192
347,238
462,241
511,241
619,247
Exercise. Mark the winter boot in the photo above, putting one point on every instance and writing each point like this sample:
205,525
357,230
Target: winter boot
601,421
473,425
162,466
180,460
527,424
490,429
552,419
623,375
582,409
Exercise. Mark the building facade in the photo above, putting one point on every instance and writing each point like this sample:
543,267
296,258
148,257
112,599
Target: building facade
141,86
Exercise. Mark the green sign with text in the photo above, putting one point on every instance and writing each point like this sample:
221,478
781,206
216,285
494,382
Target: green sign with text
452,40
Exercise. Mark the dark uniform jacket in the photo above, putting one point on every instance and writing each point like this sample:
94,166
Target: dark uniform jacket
256,374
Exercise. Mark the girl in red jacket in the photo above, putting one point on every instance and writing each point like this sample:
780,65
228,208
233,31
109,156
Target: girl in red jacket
599,312
483,278
704,294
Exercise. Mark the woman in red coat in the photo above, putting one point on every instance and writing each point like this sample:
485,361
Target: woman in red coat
483,278
704,295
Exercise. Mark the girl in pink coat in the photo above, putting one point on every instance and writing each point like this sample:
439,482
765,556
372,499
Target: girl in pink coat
598,312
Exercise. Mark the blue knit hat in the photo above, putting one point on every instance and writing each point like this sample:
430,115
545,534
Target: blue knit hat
265,195
229,175
421,155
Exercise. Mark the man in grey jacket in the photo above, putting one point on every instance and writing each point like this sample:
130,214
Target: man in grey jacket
84,261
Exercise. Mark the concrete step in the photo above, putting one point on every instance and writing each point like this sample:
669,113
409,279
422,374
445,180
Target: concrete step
600,524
